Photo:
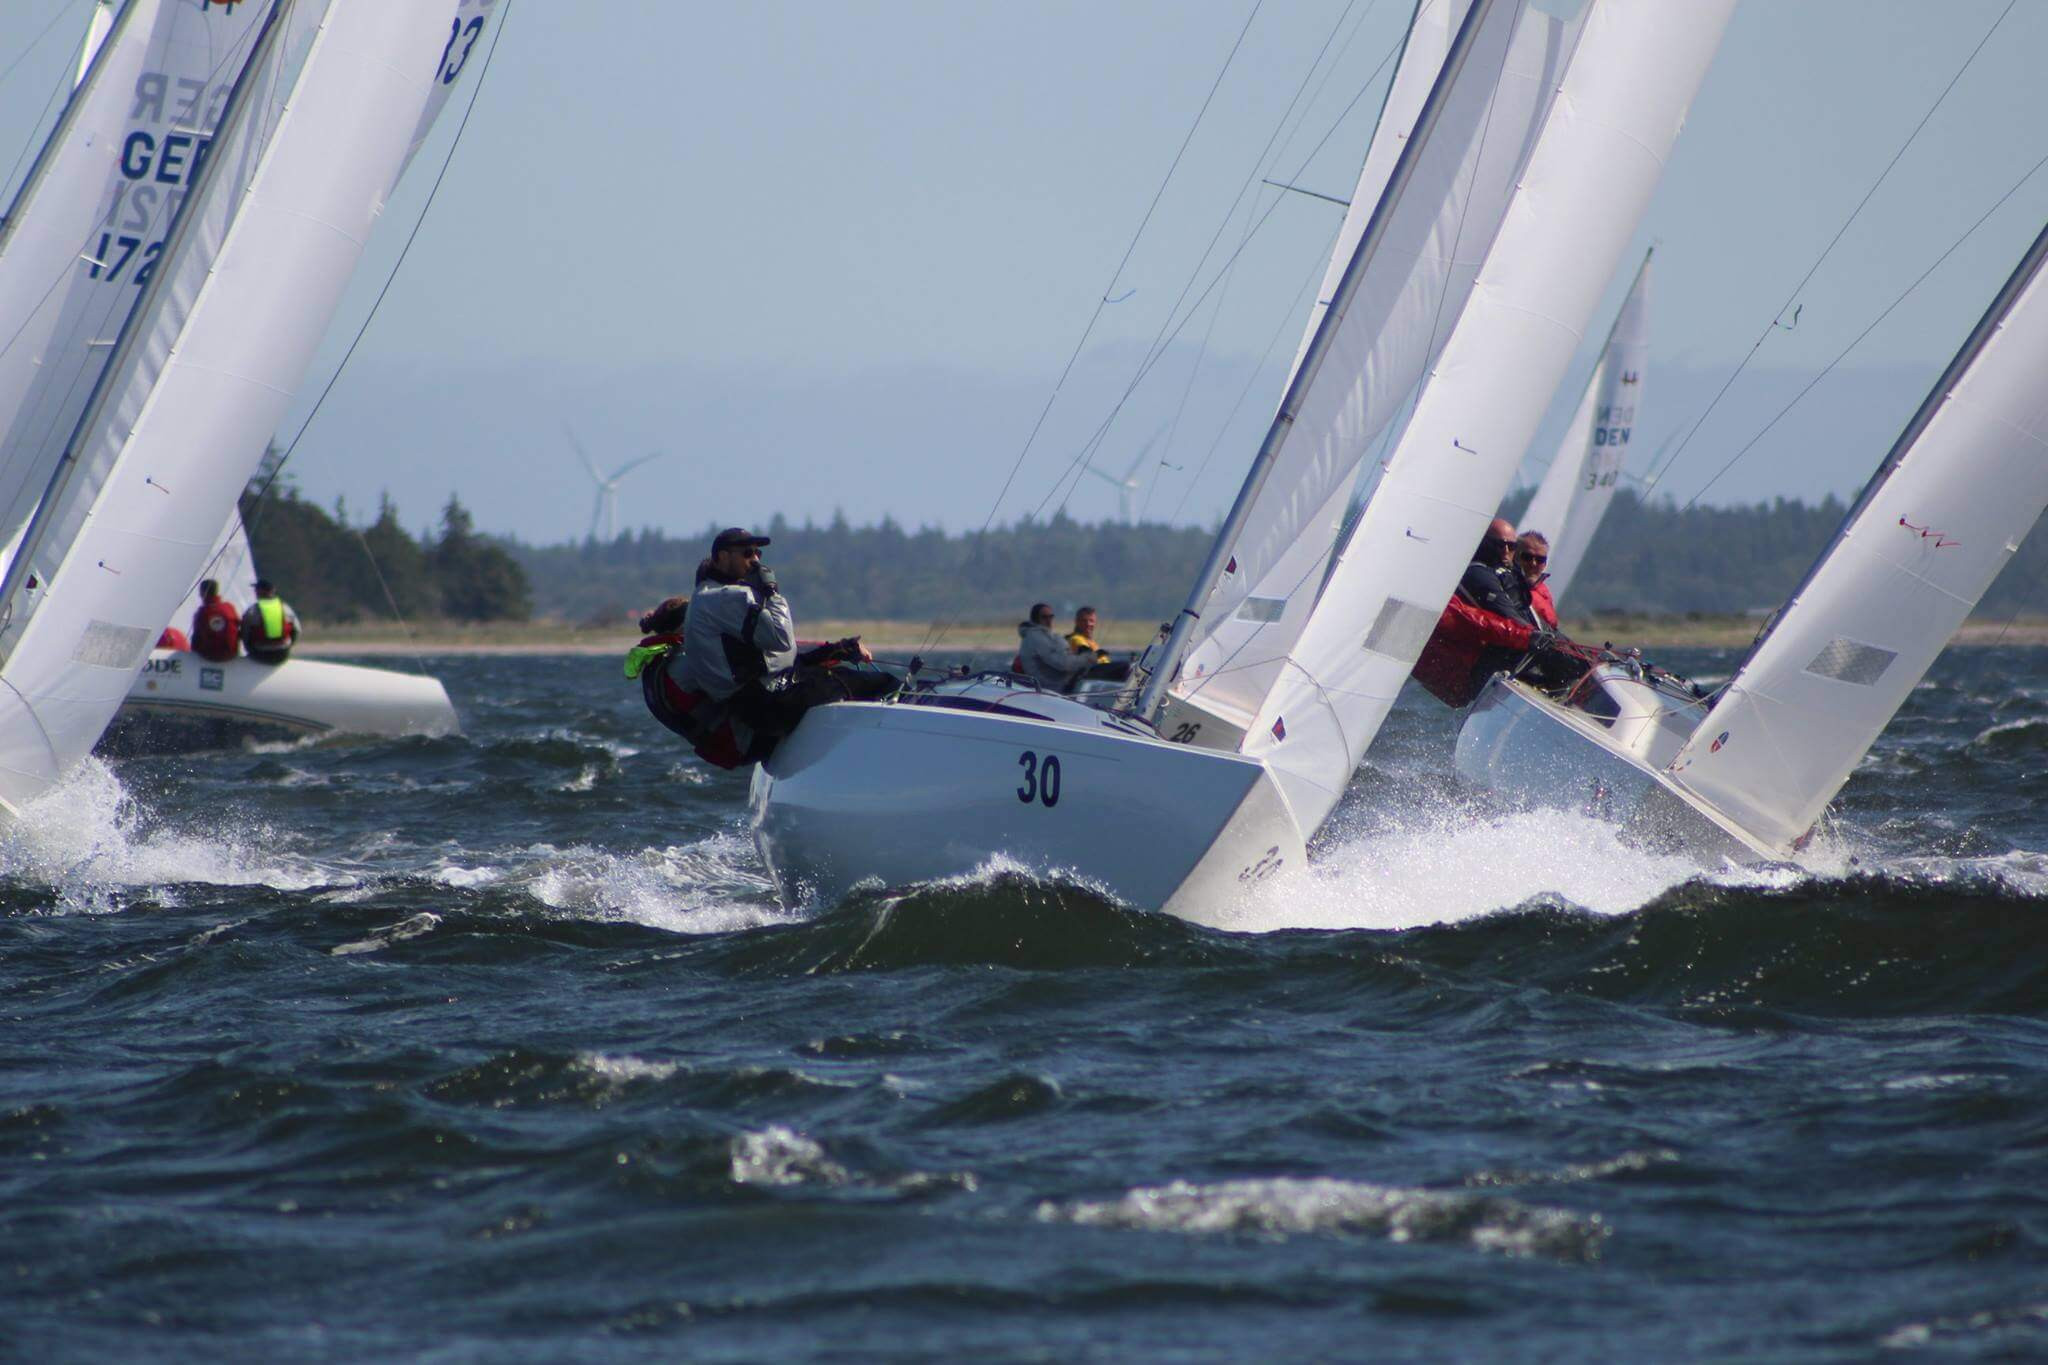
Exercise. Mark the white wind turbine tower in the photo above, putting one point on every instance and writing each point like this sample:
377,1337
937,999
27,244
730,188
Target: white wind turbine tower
1128,486
605,510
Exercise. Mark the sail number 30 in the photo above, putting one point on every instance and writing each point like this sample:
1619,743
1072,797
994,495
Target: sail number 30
1041,779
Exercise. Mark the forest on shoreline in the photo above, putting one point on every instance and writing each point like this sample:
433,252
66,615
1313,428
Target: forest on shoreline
1652,559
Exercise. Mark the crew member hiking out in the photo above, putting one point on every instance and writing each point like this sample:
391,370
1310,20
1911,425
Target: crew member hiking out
216,625
730,678
1044,657
269,626
1489,627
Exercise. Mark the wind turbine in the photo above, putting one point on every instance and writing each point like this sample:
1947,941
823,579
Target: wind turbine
605,509
1127,487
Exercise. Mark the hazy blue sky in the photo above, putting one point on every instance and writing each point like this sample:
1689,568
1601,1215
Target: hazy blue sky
834,255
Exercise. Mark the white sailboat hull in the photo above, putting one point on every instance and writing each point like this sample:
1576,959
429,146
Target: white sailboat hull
1520,744
902,793
178,691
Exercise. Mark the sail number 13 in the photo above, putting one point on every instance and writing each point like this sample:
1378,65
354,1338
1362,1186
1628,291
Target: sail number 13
1041,779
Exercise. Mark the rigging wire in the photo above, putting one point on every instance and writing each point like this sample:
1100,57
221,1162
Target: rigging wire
63,83
1349,523
262,493
1857,340
1223,271
159,222
1657,476
1103,301
1158,347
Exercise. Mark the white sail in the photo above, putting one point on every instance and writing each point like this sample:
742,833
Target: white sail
1948,508
1636,68
1414,272
1422,57
1580,482
1224,634
61,297
243,289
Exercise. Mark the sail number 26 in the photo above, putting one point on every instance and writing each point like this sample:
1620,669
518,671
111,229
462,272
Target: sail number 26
1041,779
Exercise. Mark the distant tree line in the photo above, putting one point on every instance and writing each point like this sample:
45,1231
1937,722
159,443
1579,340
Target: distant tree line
1651,557
330,570
884,572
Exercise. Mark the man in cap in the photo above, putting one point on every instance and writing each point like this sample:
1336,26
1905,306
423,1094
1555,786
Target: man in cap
269,626
740,649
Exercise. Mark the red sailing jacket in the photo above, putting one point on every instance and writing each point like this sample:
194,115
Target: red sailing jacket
1545,607
216,630
1462,633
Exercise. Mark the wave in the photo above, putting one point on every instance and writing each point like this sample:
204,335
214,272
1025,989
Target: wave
89,840
1282,1208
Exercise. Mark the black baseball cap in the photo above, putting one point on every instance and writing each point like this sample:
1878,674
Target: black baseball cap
736,538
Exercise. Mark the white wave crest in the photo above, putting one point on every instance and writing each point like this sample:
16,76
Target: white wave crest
89,837
1282,1207
711,886
1440,867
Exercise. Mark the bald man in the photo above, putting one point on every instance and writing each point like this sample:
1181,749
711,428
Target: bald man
1487,627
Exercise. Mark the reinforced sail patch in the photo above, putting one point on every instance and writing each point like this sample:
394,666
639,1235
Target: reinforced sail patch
106,645
1261,609
1401,629
1850,662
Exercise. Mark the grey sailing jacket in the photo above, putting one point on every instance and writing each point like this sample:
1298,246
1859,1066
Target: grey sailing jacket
733,636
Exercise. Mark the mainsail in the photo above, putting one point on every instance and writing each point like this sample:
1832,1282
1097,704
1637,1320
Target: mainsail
1635,70
1429,204
266,227
1580,482
1949,506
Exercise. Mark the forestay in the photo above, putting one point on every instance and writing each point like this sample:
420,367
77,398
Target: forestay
62,297
268,233
1947,509
1579,485
1635,70
230,563
94,217
1413,253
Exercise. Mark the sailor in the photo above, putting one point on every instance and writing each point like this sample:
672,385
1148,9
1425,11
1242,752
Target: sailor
216,625
1485,628
1532,552
269,626
1044,657
658,663
740,649
173,638
1082,638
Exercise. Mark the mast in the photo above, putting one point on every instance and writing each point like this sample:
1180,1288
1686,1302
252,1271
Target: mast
236,111
1150,700
96,42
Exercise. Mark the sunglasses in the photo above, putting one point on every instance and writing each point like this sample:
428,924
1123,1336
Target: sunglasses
1530,557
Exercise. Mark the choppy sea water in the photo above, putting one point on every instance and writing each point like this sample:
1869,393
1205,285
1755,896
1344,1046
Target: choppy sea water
500,1047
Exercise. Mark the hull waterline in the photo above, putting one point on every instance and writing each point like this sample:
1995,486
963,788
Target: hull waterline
1535,753
894,794
180,700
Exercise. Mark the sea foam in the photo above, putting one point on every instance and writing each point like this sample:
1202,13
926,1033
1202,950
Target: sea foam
89,837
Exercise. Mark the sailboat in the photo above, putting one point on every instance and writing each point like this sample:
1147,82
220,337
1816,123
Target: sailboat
180,701
1748,772
166,270
1514,156
1580,482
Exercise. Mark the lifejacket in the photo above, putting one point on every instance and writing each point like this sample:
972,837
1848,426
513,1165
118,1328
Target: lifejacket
216,630
266,628
706,724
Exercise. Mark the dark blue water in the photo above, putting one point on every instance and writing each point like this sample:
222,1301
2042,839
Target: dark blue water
500,1047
